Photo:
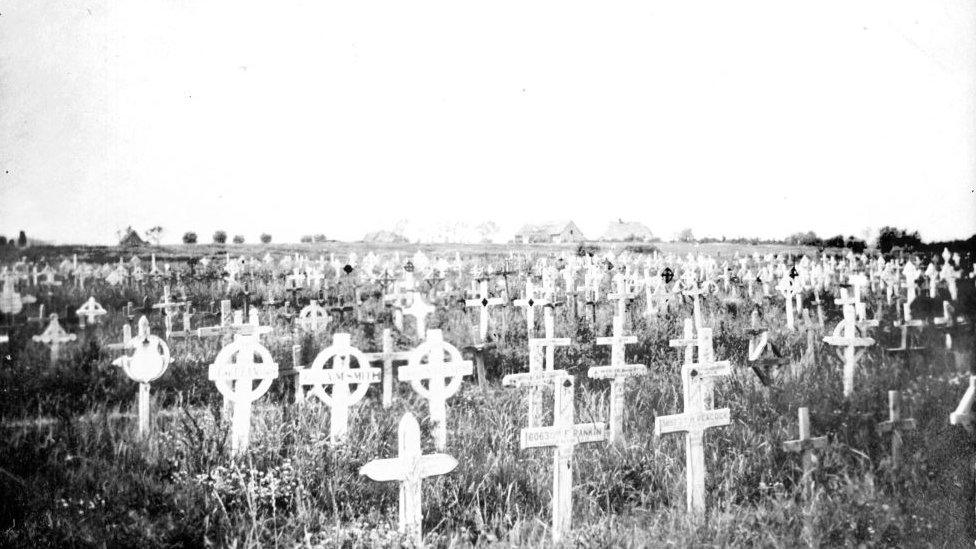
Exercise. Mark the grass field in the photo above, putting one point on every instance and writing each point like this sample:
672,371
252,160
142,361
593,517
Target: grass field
86,479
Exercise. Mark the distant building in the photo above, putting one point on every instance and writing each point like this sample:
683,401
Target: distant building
385,237
556,233
627,231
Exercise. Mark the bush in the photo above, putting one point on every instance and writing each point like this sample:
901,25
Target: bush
319,238
3,240
220,237
890,237
22,240
306,239
265,238
238,239
189,237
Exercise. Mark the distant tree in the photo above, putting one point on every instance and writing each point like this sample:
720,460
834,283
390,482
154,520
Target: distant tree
685,236
238,239
265,238
890,237
319,238
22,240
487,230
834,242
189,237
3,240
154,234
808,238
305,239
220,237
856,244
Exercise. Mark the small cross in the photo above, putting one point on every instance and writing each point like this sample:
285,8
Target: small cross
806,444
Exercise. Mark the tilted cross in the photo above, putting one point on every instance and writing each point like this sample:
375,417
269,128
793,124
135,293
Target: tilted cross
964,414
409,468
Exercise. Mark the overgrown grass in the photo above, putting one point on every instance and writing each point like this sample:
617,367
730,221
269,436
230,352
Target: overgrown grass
88,480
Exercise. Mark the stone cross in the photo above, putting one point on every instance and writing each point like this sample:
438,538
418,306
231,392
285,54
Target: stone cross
90,311
444,378
409,468
54,336
694,421
388,356
234,372
618,371
564,435
846,336
965,413
484,302
340,376
895,425
806,444
149,360
419,309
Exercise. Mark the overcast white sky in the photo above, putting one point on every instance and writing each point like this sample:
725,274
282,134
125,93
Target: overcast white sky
739,118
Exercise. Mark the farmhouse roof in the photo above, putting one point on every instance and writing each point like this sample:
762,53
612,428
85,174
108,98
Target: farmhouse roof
548,228
384,237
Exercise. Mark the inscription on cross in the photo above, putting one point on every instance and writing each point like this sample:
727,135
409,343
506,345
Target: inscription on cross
234,372
618,371
341,376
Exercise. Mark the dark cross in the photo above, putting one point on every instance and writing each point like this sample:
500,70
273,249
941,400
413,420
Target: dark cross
770,358
246,292
793,273
385,280
347,269
504,272
433,280
408,267
668,275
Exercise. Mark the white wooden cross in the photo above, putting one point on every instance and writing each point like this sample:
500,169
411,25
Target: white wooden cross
541,372
388,356
911,274
687,340
564,435
149,360
419,309
621,294
895,425
340,376
694,421
846,336
618,371
443,377
169,309
965,413
529,303
409,468
788,290
90,311
234,372
806,444
695,293
54,336
932,273
484,302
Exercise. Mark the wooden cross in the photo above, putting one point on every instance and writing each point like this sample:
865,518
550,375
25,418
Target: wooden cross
895,425
340,377
904,347
540,373
419,309
149,360
788,290
168,307
90,311
313,316
409,468
687,340
694,421
388,356
529,302
484,302
426,363
846,336
806,444
763,355
695,294
54,336
234,373
618,371
621,294
564,435
964,414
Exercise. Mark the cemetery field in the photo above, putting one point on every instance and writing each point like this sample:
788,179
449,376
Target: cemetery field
82,476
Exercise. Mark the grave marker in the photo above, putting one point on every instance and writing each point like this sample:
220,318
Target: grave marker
895,425
806,444
618,371
340,377
149,360
964,413
234,372
426,363
90,311
409,468
388,356
54,336
846,337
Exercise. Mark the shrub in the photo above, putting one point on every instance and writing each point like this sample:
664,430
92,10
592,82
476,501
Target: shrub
189,237
3,240
319,238
220,237
22,240
306,239
238,239
265,238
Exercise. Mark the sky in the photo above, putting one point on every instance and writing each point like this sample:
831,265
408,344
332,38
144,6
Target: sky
745,118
